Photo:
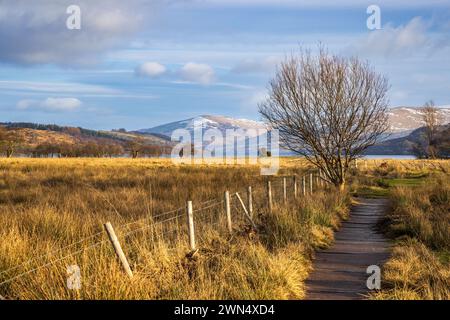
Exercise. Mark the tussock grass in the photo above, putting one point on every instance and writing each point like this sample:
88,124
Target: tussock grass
312,220
375,178
388,168
48,204
420,222
423,212
415,273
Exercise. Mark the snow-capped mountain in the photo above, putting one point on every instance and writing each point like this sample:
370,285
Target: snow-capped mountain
404,120
221,123
253,137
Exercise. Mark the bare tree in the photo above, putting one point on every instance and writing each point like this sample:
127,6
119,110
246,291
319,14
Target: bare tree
10,140
136,146
328,109
432,120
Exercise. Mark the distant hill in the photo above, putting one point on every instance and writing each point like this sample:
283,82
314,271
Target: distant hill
39,140
221,123
404,120
405,145
35,134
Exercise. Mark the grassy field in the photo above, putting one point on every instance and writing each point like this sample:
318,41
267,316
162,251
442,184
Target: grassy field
47,205
418,224
377,178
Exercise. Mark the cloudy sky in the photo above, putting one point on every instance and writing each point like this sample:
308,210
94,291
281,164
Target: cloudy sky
136,64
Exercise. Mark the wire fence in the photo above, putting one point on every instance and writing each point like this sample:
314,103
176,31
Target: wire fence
187,226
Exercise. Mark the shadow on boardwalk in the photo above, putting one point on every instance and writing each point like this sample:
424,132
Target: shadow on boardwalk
340,271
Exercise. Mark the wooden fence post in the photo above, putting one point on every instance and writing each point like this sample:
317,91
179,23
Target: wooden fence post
269,196
324,182
295,186
250,201
319,178
311,183
245,211
190,220
118,249
284,191
324,177
228,211
304,185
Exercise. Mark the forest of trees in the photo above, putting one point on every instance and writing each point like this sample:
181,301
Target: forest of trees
75,131
12,142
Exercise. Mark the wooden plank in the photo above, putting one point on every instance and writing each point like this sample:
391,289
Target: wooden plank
340,271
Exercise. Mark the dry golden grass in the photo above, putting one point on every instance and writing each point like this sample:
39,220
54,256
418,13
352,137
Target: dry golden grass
33,138
423,212
415,273
400,168
420,221
48,204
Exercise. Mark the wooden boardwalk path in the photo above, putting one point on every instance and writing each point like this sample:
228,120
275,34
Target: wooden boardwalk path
340,271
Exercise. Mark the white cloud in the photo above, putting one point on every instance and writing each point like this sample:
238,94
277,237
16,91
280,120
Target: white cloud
56,87
151,69
61,104
250,102
25,104
67,89
45,39
50,104
404,39
264,65
111,20
323,3
198,73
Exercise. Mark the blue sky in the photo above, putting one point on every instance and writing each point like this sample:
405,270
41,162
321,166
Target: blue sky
136,64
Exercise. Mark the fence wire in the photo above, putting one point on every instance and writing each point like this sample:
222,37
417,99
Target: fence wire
170,228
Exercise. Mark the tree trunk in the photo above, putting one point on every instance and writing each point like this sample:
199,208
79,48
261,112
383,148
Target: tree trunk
340,184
